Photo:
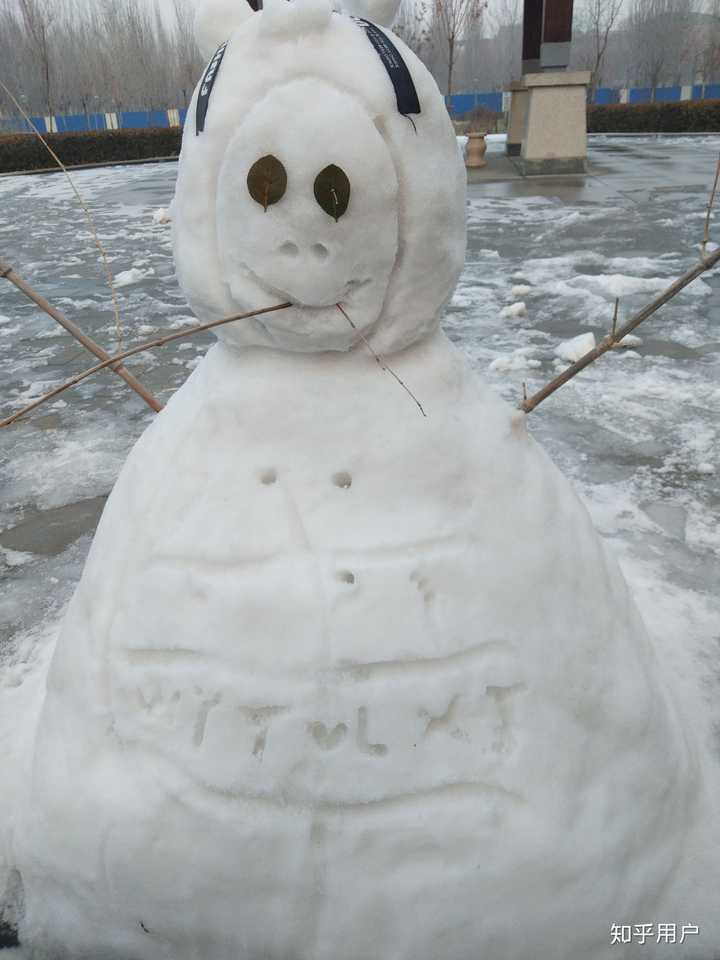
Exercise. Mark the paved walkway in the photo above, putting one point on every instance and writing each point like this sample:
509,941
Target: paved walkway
634,167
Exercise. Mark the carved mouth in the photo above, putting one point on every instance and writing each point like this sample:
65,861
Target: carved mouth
345,293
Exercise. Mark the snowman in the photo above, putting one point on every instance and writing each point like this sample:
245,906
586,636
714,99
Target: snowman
347,676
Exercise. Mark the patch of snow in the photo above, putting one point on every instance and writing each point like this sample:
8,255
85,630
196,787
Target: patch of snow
162,215
514,310
618,285
573,350
127,278
520,359
15,558
630,340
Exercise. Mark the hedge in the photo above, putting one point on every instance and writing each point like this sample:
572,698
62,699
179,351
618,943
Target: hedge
688,116
24,151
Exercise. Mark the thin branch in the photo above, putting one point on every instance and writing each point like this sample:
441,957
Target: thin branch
150,345
8,273
379,360
612,339
706,235
86,210
615,317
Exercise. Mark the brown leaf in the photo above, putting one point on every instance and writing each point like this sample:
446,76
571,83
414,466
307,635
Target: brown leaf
332,191
267,181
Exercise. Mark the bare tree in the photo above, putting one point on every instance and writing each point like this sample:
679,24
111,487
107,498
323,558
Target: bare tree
507,41
37,17
412,25
92,56
188,62
704,45
659,33
599,18
452,20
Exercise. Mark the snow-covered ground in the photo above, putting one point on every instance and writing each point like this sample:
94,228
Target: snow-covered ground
637,432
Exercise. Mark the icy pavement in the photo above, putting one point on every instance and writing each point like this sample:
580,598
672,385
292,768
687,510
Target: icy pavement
56,468
637,432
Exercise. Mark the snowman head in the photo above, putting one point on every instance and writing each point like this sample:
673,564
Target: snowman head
301,179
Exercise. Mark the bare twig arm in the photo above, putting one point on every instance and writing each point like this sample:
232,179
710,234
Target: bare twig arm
614,338
8,273
711,203
85,208
150,345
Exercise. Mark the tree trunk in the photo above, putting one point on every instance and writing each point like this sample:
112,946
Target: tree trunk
45,54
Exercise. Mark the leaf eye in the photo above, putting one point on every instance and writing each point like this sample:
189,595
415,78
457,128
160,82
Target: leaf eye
332,191
267,181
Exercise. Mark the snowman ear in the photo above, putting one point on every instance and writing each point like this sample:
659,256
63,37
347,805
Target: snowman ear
378,11
216,20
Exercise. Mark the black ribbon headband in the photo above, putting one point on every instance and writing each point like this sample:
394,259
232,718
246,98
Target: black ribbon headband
208,82
405,92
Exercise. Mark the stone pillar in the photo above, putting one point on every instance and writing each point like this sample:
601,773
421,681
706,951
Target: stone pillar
555,139
518,118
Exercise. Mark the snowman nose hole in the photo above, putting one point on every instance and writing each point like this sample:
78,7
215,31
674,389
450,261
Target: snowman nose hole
320,251
289,249
268,477
342,480
345,576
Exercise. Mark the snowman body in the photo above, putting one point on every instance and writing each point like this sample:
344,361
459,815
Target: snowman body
343,679
386,696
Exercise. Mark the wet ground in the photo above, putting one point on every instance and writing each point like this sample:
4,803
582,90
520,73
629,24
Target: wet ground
637,432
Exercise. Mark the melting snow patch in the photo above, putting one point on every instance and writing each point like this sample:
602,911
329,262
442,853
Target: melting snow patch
15,558
134,275
630,340
517,360
572,350
520,291
514,310
162,215
618,285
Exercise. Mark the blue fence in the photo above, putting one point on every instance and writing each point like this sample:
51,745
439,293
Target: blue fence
82,123
668,94
75,123
465,102
458,105
462,103
710,92
604,96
